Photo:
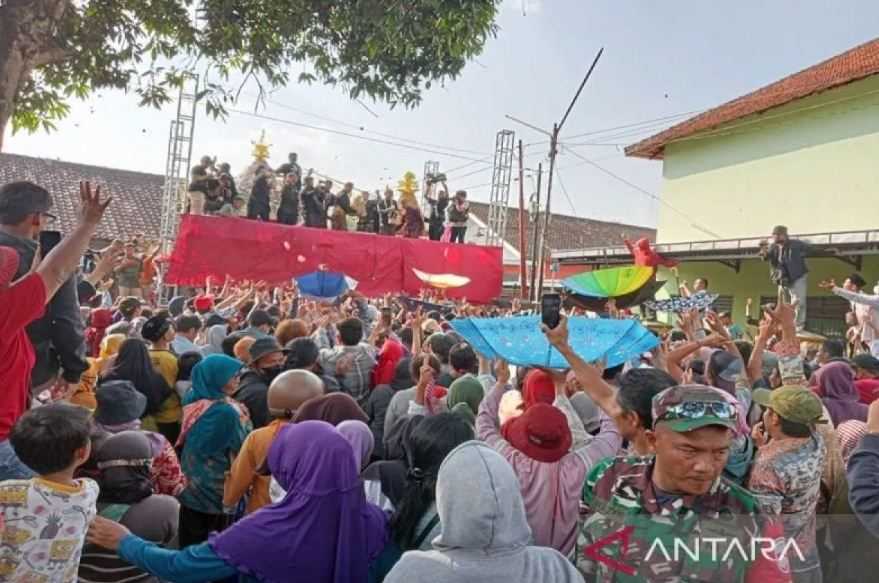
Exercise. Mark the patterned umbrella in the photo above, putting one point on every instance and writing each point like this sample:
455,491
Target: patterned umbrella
701,300
629,300
519,340
609,283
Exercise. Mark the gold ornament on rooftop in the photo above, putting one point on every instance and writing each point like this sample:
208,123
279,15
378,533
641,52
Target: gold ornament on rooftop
261,148
407,187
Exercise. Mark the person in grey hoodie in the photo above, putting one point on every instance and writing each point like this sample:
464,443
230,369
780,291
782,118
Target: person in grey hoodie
485,535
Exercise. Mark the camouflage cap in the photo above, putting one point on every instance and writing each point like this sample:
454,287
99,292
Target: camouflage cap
688,407
796,404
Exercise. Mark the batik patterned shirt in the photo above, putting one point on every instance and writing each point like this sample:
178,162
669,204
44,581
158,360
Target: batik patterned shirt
786,478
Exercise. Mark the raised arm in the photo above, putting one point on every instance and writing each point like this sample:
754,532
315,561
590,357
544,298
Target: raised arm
589,376
63,261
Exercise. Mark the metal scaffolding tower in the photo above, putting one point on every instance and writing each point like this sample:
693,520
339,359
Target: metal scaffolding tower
178,161
500,187
431,167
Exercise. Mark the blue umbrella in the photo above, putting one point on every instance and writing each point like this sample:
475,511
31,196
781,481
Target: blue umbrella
519,340
325,285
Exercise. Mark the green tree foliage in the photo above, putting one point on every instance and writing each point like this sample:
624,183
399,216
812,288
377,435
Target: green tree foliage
389,50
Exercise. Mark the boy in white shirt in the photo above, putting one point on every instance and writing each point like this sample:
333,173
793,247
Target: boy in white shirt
45,519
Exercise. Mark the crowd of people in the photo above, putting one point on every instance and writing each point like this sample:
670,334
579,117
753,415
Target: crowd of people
243,431
312,203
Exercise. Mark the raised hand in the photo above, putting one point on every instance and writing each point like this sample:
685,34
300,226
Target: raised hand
558,336
92,208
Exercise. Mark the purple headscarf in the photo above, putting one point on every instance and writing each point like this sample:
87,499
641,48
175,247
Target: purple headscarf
358,434
323,530
836,385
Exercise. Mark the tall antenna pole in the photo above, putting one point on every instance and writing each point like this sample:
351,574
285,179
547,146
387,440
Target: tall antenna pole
553,152
523,235
536,220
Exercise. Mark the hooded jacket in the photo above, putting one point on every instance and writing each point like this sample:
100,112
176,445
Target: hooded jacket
59,336
485,536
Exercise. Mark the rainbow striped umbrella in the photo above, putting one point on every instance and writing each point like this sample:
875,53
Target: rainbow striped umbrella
609,283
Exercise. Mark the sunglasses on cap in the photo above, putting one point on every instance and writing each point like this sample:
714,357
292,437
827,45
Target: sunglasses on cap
700,409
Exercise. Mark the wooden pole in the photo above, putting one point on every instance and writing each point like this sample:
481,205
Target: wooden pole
523,234
534,249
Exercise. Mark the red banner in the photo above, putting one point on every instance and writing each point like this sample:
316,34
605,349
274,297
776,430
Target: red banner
274,253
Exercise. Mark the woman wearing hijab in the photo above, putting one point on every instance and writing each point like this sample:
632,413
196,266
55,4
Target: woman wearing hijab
380,399
323,531
385,480
333,408
485,535
465,395
212,433
551,454
836,386
386,369
133,364
99,321
357,434
214,340
127,498
415,522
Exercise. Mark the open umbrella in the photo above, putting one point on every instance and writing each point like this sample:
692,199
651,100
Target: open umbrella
701,300
609,283
629,300
441,280
324,285
519,340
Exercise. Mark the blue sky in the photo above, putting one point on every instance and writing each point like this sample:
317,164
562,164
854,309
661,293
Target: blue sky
660,59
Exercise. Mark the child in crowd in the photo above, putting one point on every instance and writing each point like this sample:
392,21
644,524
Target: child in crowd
45,519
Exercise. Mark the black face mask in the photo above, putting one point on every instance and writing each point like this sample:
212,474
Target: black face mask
271,372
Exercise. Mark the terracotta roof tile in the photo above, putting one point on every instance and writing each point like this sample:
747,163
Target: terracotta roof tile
137,197
852,65
567,232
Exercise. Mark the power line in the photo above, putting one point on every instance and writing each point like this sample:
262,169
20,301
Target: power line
381,134
565,191
634,124
475,186
350,135
646,192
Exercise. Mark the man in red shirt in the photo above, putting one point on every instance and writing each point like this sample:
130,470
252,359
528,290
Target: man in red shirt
22,302
866,377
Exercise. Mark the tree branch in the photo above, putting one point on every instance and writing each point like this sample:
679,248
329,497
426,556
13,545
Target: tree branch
50,56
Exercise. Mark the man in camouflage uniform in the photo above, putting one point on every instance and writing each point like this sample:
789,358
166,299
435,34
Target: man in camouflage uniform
642,512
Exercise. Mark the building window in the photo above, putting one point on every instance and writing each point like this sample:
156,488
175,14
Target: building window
825,315
723,304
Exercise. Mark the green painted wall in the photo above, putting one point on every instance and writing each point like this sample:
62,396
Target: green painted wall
816,170
753,279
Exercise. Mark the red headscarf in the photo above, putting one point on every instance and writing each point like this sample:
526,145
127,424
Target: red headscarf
391,353
99,320
538,388
541,433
